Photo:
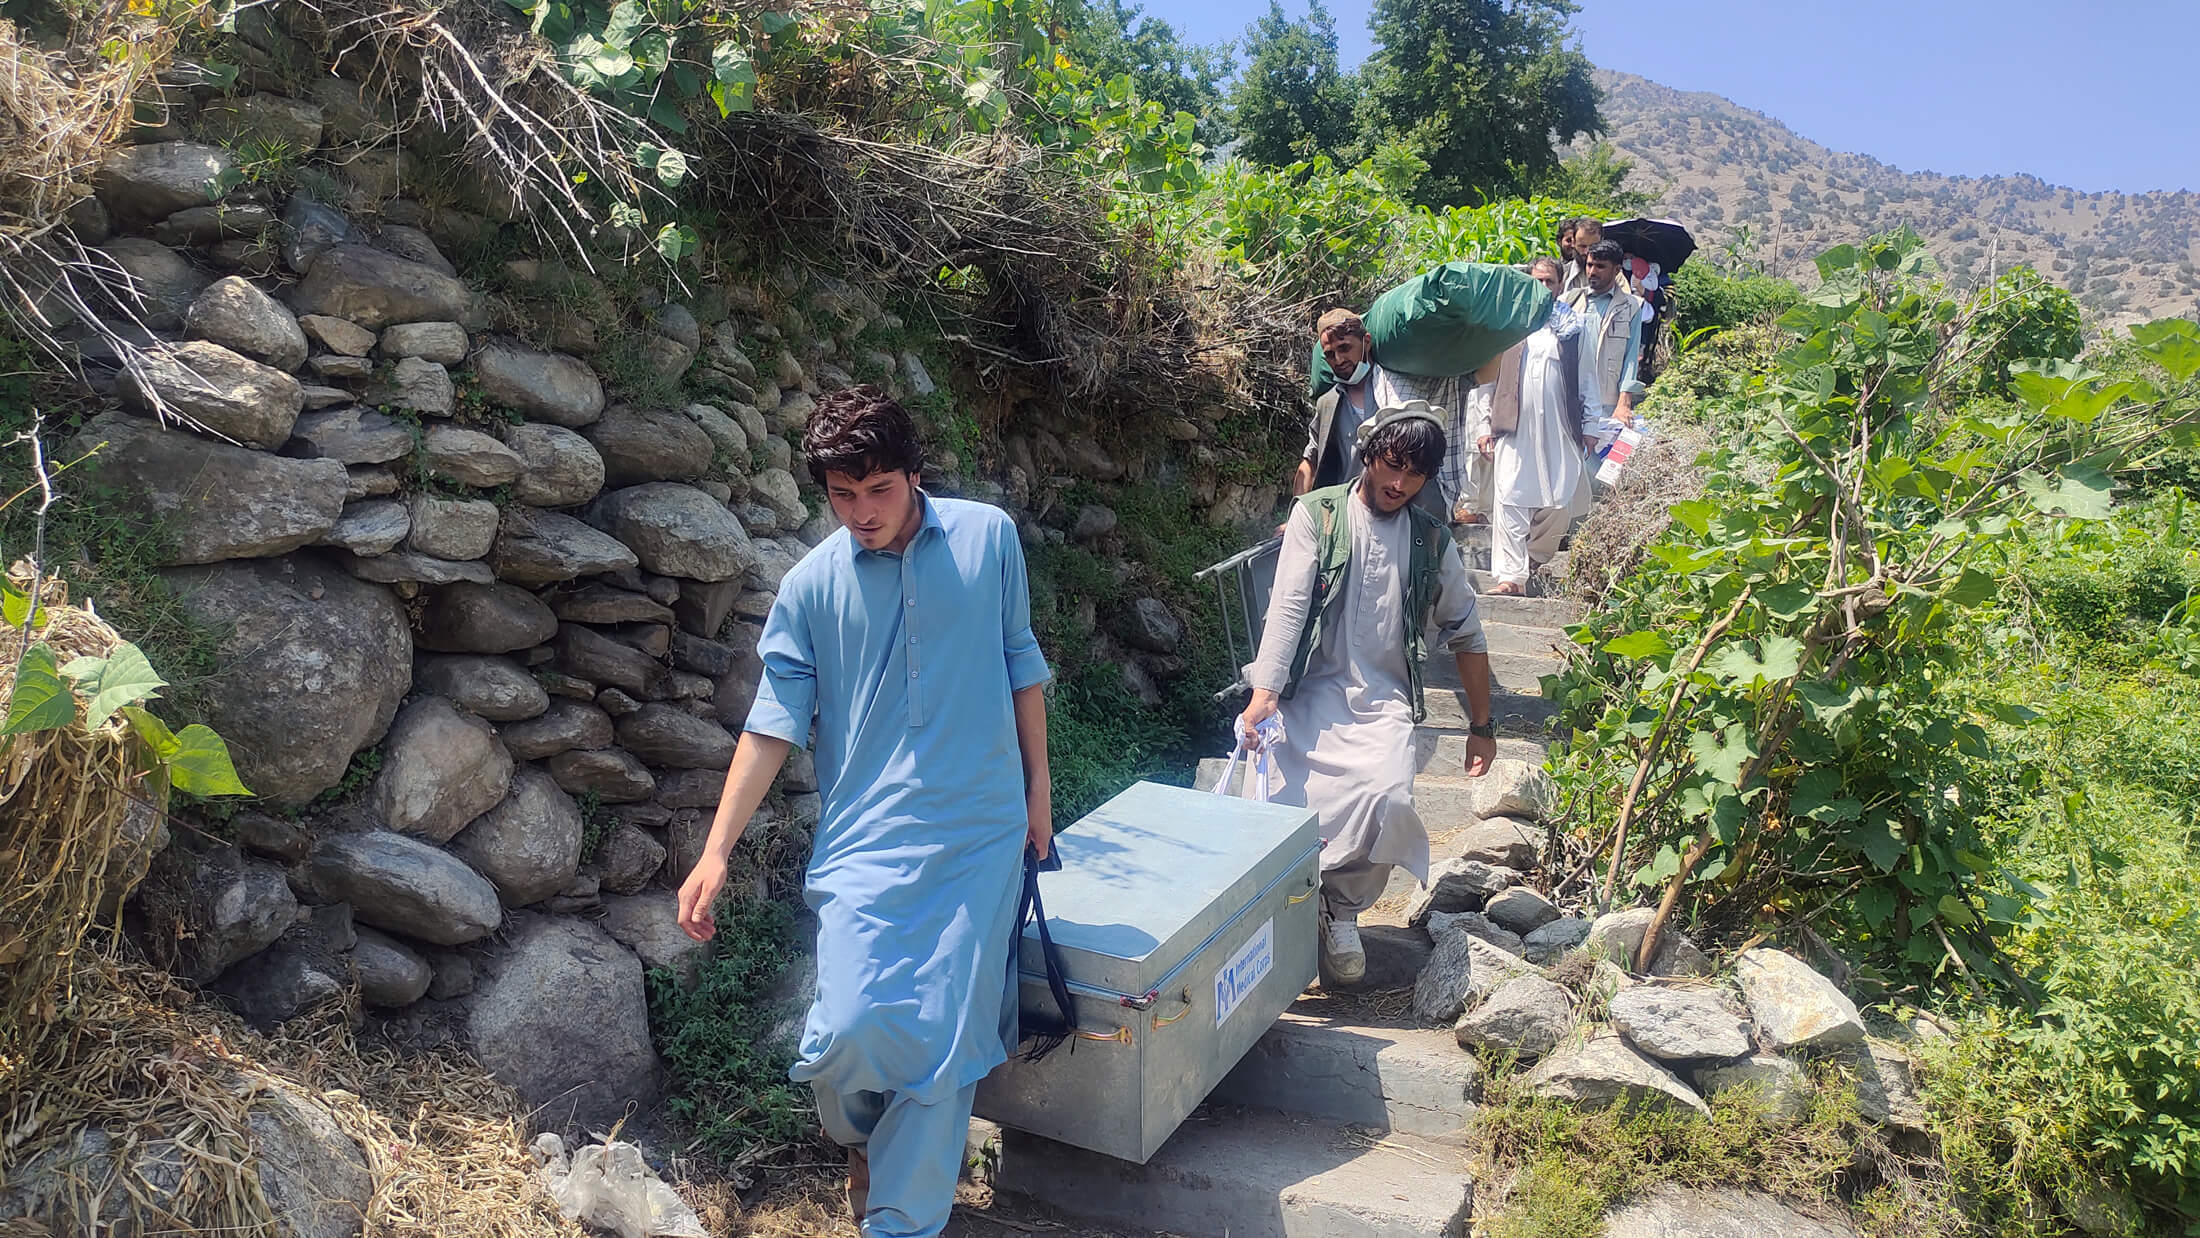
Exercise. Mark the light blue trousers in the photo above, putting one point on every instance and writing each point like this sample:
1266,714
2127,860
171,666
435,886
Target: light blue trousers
916,1154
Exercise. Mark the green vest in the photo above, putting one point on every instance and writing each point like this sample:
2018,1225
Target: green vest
1333,556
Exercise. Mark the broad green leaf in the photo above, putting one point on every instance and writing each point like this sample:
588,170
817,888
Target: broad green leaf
1838,259
1819,795
2174,343
1638,645
1954,912
1787,599
773,23
2082,493
1879,840
200,764
15,606
1875,904
1972,588
1660,869
672,168
152,730
1782,657
121,678
41,702
1722,754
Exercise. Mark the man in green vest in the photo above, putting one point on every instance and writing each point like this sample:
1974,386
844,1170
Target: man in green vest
1611,337
1365,580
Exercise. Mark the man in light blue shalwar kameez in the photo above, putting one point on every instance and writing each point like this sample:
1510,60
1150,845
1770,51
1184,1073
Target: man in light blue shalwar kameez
906,636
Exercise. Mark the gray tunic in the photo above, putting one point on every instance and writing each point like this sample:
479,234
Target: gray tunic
1348,731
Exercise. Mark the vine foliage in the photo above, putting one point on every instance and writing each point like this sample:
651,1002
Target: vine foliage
1777,670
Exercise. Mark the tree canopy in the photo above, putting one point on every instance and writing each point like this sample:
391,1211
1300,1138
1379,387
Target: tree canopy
1483,91
1113,38
1293,101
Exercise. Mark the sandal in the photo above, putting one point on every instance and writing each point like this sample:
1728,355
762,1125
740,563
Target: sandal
1507,589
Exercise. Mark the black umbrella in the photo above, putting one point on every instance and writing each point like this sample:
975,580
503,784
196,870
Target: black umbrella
1663,241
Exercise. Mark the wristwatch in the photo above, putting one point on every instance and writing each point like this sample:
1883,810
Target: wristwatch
1483,730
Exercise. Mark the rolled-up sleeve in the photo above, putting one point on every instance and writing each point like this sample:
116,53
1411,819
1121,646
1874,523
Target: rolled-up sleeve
1026,664
786,693
1457,616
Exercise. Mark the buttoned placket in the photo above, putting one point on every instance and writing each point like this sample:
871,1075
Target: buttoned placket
909,612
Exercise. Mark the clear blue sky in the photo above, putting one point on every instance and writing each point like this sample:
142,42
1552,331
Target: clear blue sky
2092,95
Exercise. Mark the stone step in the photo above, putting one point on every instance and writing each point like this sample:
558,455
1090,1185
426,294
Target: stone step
1444,753
1231,1172
1515,713
1525,639
1518,672
1526,611
1409,1079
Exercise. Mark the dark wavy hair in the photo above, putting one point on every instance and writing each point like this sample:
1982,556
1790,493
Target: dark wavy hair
860,431
1610,251
1411,443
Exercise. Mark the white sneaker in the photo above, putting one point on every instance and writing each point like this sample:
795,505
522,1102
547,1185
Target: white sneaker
1343,958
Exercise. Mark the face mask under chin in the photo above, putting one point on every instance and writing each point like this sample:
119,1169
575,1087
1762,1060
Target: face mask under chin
1357,376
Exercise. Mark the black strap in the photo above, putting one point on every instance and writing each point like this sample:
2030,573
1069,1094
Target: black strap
1045,1034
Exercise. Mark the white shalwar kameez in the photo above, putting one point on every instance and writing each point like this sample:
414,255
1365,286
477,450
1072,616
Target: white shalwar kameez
1538,482
1348,730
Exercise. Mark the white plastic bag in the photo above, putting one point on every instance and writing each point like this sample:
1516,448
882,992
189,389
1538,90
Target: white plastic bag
1267,737
610,1186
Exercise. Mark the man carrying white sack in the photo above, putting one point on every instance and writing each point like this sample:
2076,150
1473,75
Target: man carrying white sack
1526,415
1363,575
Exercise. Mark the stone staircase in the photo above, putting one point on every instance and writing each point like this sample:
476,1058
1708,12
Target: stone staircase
1344,1120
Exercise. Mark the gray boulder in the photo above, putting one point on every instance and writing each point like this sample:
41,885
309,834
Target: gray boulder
351,434
549,387
537,547
528,846
776,488
601,603
156,283
1520,909
1503,842
774,559
1512,788
649,925
390,973
484,618
1475,924
625,861
217,391
207,224
692,788
410,382
238,121
729,442
440,769
1782,1086
563,1019
491,687
215,501
310,230
664,736
1151,626
375,289
1618,936
238,316
310,668
590,655
202,908
313,1176
562,726
469,457
1794,1007
340,336
1606,1070
1095,521
562,468
644,445
444,343
1545,945
1457,885
1680,1024
1527,1015
1460,973
1718,1212
453,528
406,566
370,527
144,184
702,607
405,886
1886,1084
676,530
611,774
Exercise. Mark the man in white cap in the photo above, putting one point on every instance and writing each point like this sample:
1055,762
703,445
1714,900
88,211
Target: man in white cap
1365,579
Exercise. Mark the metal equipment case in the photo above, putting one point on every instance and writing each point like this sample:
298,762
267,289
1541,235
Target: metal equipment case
1186,924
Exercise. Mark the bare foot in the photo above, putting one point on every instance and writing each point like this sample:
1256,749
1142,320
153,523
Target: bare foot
1508,589
859,1184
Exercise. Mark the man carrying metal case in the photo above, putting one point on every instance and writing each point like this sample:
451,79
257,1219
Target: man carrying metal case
1363,575
907,637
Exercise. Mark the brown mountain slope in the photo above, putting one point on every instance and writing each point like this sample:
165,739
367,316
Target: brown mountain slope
1741,178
